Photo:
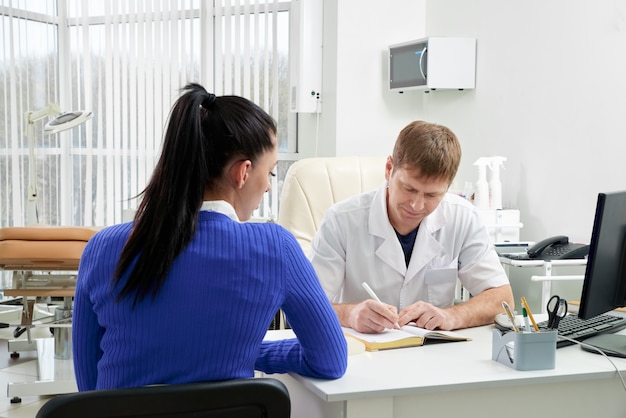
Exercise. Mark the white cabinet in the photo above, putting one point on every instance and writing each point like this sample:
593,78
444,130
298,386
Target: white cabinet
503,224
433,63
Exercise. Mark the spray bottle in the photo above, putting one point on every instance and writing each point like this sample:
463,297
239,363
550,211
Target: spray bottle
481,195
495,186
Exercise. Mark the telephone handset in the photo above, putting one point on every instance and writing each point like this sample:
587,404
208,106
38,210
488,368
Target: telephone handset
553,248
557,248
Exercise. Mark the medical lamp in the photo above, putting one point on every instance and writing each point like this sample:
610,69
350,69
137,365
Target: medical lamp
61,122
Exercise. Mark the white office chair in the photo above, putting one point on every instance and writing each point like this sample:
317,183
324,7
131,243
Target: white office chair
312,185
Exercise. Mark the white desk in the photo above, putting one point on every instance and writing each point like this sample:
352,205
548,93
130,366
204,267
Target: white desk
460,379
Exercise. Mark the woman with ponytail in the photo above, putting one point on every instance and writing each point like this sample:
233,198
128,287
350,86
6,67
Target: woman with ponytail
186,291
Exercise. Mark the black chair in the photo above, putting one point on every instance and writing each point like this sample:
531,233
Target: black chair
238,398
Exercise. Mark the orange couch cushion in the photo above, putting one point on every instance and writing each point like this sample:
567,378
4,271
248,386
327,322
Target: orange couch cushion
43,247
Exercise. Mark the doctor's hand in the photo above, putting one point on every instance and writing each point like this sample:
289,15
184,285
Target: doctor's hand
369,316
427,316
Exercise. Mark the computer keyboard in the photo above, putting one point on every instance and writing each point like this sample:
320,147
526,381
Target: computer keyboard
580,329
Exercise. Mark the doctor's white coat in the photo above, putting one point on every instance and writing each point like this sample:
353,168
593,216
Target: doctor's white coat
355,243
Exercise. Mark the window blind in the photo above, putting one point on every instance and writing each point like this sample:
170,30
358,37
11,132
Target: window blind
126,62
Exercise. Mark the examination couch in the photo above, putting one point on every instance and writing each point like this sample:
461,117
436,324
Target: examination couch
44,262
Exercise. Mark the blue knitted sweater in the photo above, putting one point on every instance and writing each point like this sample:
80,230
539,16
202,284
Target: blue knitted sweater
209,320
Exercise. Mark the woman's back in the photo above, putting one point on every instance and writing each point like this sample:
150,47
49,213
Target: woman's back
208,320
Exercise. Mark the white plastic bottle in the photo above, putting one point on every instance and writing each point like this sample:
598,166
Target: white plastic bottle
495,185
468,189
481,194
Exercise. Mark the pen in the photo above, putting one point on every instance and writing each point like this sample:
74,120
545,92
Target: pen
508,311
369,290
526,322
530,314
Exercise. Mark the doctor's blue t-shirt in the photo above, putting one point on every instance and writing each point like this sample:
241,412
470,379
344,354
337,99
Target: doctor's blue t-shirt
407,242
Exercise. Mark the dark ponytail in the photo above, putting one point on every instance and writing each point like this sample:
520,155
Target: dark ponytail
204,134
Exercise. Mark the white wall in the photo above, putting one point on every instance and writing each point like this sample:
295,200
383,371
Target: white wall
359,115
550,96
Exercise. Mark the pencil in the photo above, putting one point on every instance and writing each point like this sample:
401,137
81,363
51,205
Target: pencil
530,314
369,290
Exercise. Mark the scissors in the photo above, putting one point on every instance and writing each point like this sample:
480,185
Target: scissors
557,309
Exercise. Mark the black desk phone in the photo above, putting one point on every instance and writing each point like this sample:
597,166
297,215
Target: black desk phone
553,248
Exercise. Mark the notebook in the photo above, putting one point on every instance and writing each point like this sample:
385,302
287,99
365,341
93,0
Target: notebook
407,336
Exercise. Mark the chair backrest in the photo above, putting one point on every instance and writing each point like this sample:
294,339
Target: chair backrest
238,398
312,185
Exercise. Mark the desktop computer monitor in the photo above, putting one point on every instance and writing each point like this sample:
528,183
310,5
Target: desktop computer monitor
604,287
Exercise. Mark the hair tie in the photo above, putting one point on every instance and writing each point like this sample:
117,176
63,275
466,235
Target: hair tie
209,101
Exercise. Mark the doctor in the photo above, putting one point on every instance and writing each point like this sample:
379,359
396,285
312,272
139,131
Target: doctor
410,240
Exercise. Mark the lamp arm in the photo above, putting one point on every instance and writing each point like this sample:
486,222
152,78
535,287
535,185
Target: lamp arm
30,117
32,163
52,109
32,217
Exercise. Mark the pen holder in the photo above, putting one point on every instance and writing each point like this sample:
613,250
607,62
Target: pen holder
525,350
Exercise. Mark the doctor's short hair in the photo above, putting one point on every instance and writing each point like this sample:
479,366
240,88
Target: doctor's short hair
432,149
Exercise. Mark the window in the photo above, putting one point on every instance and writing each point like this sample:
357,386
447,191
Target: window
125,61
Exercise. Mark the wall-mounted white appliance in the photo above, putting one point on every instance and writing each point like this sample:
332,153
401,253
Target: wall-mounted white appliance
305,56
433,63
